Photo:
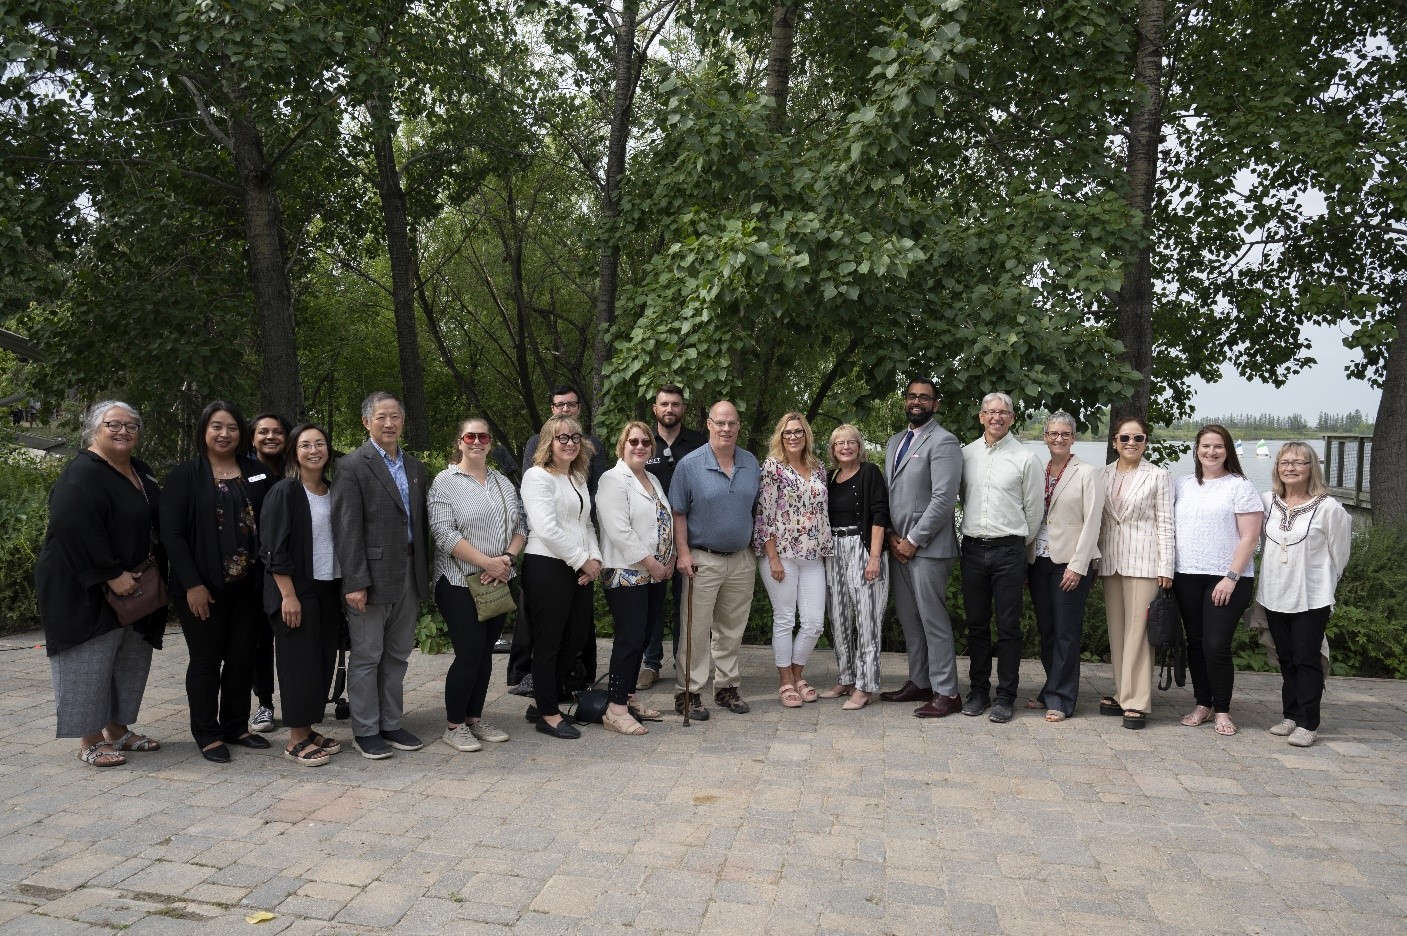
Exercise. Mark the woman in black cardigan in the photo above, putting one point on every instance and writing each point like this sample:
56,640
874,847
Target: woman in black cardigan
857,576
209,526
302,592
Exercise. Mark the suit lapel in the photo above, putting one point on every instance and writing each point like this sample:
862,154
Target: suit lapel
1141,474
1064,481
914,446
383,474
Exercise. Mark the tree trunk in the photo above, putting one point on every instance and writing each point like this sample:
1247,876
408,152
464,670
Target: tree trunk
1389,486
1134,304
393,212
281,390
779,62
624,92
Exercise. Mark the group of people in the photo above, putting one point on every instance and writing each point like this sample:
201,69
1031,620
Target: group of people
269,557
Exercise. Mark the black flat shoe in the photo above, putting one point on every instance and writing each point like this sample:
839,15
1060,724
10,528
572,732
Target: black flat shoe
1110,706
219,754
257,742
531,713
564,729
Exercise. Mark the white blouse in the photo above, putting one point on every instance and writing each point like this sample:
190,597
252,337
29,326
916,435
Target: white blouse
1204,517
1303,553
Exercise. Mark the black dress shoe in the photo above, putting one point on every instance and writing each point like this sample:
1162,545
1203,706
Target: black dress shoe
564,729
941,706
258,742
531,714
909,692
219,754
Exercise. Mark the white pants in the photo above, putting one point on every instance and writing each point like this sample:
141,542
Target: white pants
801,594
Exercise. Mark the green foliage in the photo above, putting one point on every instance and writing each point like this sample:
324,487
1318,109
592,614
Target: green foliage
24,516
1368,630
431,632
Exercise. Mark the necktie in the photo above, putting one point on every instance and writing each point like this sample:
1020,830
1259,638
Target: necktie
903,450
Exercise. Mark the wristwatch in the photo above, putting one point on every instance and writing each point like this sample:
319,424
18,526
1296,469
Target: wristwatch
1234,576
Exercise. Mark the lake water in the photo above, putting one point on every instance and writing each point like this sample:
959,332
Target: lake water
1256,469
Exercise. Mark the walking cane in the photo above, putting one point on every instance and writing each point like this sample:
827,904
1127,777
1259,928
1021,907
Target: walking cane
689,649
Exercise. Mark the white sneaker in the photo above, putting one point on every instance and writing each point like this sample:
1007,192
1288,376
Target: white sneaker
488,733
461,739
1282,729
263,720
1302,737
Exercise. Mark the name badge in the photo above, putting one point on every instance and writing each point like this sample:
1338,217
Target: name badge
257,477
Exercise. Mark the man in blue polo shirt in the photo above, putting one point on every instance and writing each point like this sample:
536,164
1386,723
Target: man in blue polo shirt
712,495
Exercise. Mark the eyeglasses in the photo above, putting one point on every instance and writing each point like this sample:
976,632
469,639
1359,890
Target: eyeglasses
310,446
846,443
919,398
564,439
1004,413
1059,436
637,443
1137,437
469,438
793,433
1294,463
725,423
570,404
115,425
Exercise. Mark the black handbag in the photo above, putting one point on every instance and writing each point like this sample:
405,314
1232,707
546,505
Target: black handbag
1165,637
146,598
590,707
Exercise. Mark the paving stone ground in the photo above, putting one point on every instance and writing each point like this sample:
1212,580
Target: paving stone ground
810,820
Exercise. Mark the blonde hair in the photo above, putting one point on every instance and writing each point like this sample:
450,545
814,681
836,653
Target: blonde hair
776,451
846,430
625,434
565,425
1316,477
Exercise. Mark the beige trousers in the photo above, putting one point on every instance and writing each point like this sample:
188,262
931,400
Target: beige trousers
718,597
1126,608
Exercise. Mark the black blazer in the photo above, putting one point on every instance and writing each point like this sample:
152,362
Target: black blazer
874,498
286,542
188,522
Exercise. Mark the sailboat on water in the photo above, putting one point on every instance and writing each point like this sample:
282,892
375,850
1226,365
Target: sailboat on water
1262,450
1239,451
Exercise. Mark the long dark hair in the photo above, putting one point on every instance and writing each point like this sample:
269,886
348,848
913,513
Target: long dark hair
203,423
284,424
290,451
1233,464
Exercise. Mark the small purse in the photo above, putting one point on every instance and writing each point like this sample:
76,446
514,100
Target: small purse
1165,637
146,599
496,598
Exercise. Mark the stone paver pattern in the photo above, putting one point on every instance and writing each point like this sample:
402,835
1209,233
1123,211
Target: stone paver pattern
810,820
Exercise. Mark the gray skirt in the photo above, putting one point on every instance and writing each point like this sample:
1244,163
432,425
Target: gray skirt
100,681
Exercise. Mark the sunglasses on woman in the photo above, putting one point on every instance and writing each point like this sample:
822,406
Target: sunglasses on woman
1137,437
469,438
638,443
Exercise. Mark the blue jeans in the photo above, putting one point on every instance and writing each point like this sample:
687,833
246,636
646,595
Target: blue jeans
654,648
1060,618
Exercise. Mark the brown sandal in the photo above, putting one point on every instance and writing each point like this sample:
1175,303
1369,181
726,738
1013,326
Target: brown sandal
643,712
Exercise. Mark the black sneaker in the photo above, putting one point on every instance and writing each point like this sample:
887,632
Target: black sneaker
1001,712
696,710
729,699
372,747
975,705
402,740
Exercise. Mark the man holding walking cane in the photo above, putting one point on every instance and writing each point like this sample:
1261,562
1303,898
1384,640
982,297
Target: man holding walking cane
712,496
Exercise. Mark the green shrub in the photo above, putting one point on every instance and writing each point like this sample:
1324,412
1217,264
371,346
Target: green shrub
1368,630
24,515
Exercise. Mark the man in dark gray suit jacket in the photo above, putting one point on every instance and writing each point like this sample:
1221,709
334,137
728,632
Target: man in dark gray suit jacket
924,468
379,524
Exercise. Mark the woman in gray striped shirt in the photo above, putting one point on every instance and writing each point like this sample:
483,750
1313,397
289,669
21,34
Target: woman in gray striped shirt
476,518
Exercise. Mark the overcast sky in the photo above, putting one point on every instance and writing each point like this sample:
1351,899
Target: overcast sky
1325,387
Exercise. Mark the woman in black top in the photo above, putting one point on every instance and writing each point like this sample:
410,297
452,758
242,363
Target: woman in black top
857,576
102,525
268,440
209,526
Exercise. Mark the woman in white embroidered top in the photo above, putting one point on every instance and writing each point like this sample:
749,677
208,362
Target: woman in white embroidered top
792,537
637,550
561,561
477,521
1306,545
1058,565
1135,560
1217,515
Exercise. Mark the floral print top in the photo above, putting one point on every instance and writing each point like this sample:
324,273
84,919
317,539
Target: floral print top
235,529
792,511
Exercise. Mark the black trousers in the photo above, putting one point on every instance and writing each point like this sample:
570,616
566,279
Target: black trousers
221,663
636,611
263,686
1297,639
1060,619
993,579
467,682
307,655
561,615
1209,631
520,651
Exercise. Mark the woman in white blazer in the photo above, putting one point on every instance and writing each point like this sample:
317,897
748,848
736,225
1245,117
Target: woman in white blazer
637,552
1136,559
561,561
1058,565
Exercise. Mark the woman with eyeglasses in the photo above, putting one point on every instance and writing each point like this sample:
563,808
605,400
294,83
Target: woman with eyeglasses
561,562
1218,515
477,521
302,592
637,550
102,528
792,538
1305,546
1136,558
857,575
209,525
1058,565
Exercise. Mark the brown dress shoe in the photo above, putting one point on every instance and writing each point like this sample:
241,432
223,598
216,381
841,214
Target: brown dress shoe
940,706
908,693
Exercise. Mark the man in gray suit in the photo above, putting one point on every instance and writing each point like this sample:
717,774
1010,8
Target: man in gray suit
924,467
378,515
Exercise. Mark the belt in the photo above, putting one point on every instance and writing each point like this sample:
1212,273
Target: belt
846,531
715,552
996,540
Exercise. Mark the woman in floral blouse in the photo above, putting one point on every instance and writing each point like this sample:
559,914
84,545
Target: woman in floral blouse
792,537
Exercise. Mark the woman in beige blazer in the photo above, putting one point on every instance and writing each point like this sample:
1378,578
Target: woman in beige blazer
1136,550
1058,565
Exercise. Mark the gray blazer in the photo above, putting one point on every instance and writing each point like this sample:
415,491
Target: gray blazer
368,523
924,489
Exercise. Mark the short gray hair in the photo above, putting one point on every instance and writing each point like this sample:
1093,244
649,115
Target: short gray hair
93,417
379,396
998,395
1060,416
